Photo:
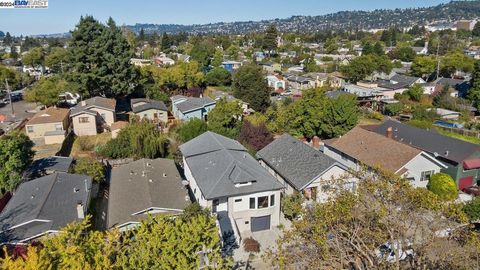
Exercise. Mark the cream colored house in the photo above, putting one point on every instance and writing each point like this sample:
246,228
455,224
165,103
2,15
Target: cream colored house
152,110
93,116
48,126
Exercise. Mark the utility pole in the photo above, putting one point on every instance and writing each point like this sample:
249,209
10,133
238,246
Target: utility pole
9,96
438,59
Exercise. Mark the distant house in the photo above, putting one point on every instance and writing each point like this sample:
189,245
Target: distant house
271,67
457,88
93,116
48,126
142,188
465,24
362,147
225,178
138,62
461,158
153,110
445,114
231,65
185,108
228,97
276,82
421,50
163,61
43,206
300,167
300,82
48,165
324,79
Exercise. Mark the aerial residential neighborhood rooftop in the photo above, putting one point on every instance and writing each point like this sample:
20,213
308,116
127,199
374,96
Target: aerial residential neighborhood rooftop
214,138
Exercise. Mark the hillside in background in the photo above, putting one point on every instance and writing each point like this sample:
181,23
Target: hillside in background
343,20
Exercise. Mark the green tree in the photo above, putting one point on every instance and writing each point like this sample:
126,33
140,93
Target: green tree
203,51
217,58
331,45
90,167
476,30
423,66
270,39
12,76
16,154
225,118
474,93
405,54
443,186
472,209
191,129
378,49
77,247
307,113
250,86
100,59
174,244
56,59
415,92
47,90
140,139
8,40
359,68
393,109
218,76
34,57
292,205
456,61
341,115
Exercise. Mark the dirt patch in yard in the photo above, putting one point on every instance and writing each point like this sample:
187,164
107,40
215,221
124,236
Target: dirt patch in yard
86,146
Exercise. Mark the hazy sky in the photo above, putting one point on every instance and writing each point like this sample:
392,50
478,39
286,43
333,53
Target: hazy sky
62,15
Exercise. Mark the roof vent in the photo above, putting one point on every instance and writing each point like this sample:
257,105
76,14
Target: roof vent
131,172
164,175
143,174
150,180
149,164
435,154
33,196
446,153
76,190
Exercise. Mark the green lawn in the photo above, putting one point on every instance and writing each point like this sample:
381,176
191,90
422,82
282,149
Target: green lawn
469,139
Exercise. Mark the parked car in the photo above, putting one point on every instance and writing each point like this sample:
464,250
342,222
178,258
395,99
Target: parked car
472,190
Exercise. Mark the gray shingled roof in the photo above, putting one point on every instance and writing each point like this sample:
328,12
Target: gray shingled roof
51,200
218,163
48,165
149,104
193,103
447,148
99,102
298,163
144,184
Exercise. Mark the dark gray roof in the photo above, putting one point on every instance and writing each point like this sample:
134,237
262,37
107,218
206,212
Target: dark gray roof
193,103
149,104
298,163
409,80
335,93
50,201
144,184
98,102
446,148
49,165
218,163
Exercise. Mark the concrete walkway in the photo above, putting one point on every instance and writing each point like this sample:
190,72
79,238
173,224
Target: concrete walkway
267,240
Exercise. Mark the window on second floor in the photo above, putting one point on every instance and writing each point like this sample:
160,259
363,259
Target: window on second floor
58,127
252,203
29,129
262,202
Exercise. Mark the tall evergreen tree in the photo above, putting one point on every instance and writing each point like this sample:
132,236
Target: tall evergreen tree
250,86
7,40
476,30
270,39
474,93
100,59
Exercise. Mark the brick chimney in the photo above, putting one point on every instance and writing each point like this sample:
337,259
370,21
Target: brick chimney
316,142
389,133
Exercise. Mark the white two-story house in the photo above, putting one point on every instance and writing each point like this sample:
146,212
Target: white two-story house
224,177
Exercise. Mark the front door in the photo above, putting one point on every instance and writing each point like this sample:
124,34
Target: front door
260,223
